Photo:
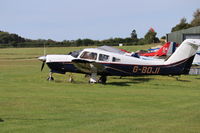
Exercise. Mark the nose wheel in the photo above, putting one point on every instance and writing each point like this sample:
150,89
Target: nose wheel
50,78
71,79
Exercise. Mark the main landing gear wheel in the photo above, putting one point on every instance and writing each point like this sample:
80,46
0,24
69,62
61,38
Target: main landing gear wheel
93,79
102,80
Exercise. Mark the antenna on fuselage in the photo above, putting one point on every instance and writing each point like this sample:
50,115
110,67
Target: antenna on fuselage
44,49
43,58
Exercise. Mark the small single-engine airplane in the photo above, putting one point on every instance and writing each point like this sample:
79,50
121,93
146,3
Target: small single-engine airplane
108,61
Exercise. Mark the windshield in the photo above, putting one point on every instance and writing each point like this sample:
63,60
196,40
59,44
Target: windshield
75,53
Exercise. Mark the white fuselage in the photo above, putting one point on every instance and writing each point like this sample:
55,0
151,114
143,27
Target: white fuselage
122,59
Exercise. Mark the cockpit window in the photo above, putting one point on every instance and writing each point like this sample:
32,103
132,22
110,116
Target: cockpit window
114,59
75,53
103,57
89,55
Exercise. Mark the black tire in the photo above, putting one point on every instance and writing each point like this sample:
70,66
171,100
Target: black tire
102,80
50,78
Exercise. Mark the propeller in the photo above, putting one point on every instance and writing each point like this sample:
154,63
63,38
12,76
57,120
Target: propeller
43,58
42,65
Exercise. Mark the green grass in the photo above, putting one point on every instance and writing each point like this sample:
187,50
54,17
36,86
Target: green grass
147,104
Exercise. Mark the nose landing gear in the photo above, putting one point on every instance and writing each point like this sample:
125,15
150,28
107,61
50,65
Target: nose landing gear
50,78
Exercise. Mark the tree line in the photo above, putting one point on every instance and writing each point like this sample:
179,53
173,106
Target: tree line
14,40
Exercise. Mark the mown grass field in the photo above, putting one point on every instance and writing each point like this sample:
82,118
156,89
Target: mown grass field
147,104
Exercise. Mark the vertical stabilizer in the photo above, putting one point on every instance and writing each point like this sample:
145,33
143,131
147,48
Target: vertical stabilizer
187,49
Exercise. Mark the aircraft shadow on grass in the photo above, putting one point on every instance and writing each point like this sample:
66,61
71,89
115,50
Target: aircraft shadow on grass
126,81
66,81
33,119
131,81
138,80
1,120
183,80
180,80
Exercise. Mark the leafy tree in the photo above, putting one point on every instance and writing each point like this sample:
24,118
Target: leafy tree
196,18
150,37
182,25
134,35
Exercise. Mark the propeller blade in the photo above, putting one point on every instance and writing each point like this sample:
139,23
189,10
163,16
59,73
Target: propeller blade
42,65
43,59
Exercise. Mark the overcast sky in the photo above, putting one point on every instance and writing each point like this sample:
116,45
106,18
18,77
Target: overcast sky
95,19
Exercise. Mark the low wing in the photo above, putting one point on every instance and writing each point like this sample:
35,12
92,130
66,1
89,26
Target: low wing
88,66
